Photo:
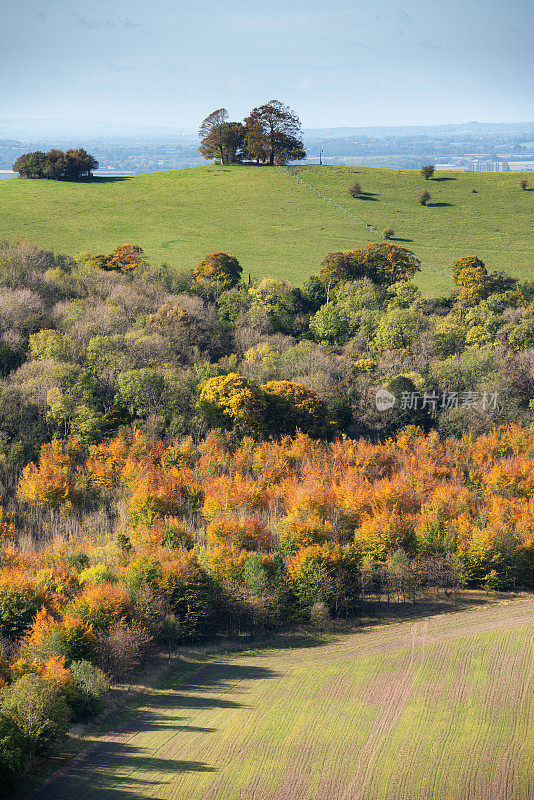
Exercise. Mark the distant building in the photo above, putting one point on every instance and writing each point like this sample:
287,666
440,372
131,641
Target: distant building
486,165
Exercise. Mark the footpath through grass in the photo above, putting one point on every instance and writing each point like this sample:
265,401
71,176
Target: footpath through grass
272,223
435,708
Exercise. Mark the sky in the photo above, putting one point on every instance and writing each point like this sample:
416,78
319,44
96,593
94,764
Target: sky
336,62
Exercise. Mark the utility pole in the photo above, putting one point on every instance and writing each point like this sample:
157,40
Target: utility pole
320,156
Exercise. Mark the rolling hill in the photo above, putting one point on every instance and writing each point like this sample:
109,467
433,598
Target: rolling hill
280,222
437,708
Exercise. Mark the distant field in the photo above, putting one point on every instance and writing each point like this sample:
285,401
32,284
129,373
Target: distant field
274,224
436,709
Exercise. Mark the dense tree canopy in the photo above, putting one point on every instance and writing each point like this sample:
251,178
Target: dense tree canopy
220,269
220,139
125,258
273,134
270,135
56,165
384,263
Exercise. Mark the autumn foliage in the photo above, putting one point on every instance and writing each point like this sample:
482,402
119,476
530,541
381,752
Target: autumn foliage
384,263
220,269
227,535
125,258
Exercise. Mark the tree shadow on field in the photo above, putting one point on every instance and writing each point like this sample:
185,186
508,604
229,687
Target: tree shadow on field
133,761
376,611
398,239
444,178
439,205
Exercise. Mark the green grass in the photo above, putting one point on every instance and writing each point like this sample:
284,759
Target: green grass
439,708
275,225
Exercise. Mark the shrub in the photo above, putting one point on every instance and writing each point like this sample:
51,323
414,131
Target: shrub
297,533
384,263
38,709
12,749
55,481
90,686
192,595
328,574
174,535
97,573
471,275
125,259
60,578
56,165
427,171
423,198
467,262
493,580
123,648
523,184
320,615
387,233
355,190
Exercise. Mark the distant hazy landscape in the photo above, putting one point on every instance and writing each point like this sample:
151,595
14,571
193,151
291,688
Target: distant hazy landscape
139,149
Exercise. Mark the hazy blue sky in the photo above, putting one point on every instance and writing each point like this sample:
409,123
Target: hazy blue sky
337,62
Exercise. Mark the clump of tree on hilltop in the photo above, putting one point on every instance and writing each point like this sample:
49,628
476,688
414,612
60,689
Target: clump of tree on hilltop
270,135
56,165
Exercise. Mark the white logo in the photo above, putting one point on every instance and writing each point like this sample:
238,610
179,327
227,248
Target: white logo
384,400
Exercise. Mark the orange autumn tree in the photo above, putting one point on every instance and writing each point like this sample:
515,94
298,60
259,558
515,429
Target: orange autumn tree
56,481
7,529
101,605
126,258
220,269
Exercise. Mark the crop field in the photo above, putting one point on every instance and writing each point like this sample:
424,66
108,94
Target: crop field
435,709
276,225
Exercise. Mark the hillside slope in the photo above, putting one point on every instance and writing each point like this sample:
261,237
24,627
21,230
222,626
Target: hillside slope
275,224
439,708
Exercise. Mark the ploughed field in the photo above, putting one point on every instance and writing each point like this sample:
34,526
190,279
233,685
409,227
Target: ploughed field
435,709
276,224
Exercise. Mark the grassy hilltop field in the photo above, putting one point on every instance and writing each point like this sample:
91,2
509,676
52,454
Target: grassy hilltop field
437,709
277,225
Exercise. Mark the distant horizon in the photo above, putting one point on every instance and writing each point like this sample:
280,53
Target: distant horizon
7,126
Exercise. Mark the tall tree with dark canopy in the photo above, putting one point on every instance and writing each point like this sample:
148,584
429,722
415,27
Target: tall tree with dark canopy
212,134
273,134
233,137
